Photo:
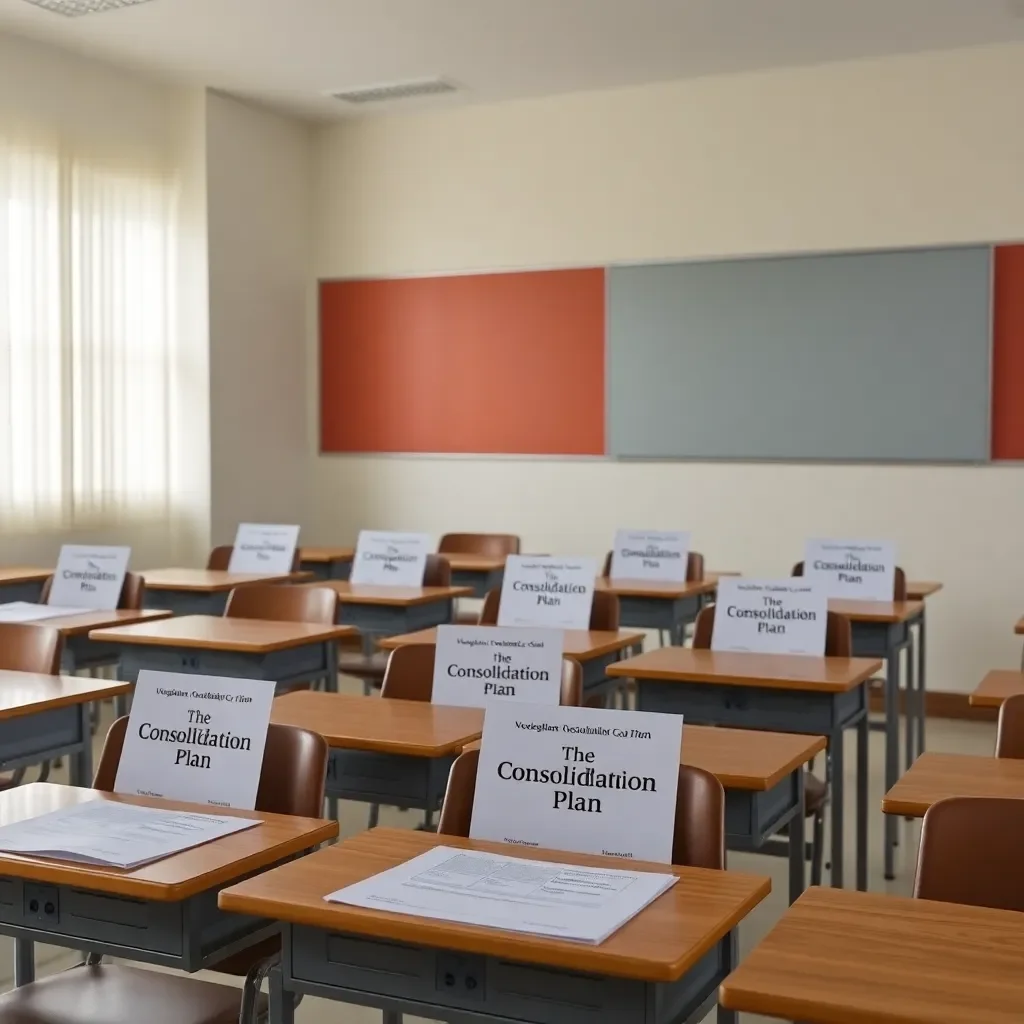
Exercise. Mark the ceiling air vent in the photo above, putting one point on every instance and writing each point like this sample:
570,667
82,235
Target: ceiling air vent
396,91
77,8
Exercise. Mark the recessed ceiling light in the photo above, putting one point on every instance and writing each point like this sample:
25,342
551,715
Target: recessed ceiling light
396,91
77,8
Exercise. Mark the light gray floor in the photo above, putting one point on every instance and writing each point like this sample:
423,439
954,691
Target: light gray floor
947,736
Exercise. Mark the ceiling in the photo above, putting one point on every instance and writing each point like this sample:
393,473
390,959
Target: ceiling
290,53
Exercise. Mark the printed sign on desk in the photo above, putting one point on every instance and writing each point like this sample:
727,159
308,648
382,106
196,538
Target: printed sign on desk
89,577
475,665
581,779
860,570
646,555
263,548
770,616
390,559
542,591
198,739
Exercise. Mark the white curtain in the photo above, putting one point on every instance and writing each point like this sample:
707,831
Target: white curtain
86,301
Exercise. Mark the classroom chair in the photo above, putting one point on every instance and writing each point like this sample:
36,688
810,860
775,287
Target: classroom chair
493,545
694,566
1010,732
604,612
838,644
370,666
291,782
699,838
133,590
220,558
970,853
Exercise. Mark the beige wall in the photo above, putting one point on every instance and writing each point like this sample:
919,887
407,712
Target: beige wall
895,152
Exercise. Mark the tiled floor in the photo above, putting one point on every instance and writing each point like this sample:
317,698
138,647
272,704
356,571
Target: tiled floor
943,735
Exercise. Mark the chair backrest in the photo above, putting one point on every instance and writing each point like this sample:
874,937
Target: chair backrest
899,583
604,612
970,853
220,558
133,590
410,675
1010,734
494,545
437,572
283,602
838,635
694,566
292,778
699,838
26,647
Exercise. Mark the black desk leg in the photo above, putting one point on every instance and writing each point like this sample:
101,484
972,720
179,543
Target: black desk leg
911,707
922,692
863,731
796,844
24,962
281,1008
892,753
730,958
838,782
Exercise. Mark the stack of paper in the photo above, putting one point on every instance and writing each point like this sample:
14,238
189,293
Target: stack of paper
22,611
115,834
564,901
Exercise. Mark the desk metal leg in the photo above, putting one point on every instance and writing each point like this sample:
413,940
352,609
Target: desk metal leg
912,707
390,1017
24,962
796,845
281,1007
730,960
838,783
863,732
922,689
80,767
892,754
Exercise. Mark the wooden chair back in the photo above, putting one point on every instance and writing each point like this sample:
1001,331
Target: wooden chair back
27,647
899,586
283,602
604,612
1010,732
838,634
493,545
437,572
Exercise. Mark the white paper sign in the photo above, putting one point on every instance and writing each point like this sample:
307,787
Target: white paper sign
580,779
198,739
770,616
390,559
475,665
863,570
89,577
262,548
646,555
22,611
552,592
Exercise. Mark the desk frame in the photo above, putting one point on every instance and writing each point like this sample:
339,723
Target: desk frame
23,590
381,620
334,569
38,737
186,602
671,615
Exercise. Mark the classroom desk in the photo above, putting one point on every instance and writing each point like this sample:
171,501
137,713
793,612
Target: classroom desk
997,686
481,573
762,774
662,967
289,653
385,611
881,629
327,563
161,913
203,591
46,717
82,653
919,590
18,583
783,693
666,607
936,777
394,752
595,650
853,957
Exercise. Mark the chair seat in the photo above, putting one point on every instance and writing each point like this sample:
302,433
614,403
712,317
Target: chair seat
110,994
363,666
815,794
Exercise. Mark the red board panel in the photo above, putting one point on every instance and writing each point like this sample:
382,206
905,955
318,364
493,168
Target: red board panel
487,363
1008,354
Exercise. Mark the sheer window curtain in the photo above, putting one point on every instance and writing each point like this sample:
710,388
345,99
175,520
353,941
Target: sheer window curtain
86,332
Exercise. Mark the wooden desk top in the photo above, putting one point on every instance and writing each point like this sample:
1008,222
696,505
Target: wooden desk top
935,777
174,878
772,671
655,588
326,554
918,590
465,562
87,621
996,687
415,728
844,957
742,758
581,644
254,636
212,581
366,593
660,944
21,574
25,693
876,611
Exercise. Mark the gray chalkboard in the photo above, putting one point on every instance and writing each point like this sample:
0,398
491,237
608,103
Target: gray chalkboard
868,356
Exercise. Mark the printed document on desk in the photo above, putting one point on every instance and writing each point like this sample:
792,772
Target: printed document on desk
564,901
22,611
113,834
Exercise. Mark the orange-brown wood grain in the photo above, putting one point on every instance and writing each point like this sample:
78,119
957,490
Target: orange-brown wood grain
996,687
26,693
368,593
934,777
581,644
213,581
